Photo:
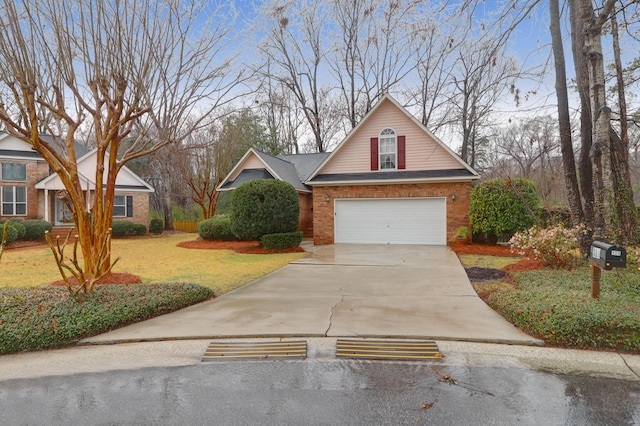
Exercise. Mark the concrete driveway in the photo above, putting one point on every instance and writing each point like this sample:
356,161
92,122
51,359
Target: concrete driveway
347,290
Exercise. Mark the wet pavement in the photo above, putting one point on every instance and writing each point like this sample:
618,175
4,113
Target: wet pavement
345,290
165,383
317,392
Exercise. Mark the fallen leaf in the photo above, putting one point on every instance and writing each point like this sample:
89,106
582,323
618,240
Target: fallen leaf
429,405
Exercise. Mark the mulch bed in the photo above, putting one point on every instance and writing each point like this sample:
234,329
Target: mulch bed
484,274
486,249
242,247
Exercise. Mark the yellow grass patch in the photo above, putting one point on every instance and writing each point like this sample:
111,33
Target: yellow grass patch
155,260
483,261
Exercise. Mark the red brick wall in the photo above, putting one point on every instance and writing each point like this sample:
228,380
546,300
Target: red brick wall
306,214
457,210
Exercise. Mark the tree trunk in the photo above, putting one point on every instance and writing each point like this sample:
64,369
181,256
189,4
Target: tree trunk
568,159
600,114
585,168
625,207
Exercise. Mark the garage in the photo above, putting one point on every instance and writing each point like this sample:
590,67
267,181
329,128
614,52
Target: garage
390,221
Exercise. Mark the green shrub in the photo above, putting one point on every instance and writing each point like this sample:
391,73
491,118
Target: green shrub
156,226
47,317
18,224
556,247
12,234
502,207
261,207
35,229
281,241
125,228
216,229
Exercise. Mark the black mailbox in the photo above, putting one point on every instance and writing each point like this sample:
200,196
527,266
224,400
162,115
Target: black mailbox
607,256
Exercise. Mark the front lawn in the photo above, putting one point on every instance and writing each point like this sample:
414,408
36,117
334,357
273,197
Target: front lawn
556,305
155,260
36,316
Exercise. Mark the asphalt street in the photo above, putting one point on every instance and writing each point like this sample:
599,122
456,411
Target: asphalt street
321,392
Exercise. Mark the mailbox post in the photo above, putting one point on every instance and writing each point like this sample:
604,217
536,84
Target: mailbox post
604,256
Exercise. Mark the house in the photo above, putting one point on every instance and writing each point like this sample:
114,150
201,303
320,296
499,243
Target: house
390,181
294,169
31,191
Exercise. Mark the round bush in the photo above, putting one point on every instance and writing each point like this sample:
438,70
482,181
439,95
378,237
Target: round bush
35,229
261,207
502,207
216,229
156,226
12,234
19,225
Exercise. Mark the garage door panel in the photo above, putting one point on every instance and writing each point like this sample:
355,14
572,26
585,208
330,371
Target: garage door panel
391,221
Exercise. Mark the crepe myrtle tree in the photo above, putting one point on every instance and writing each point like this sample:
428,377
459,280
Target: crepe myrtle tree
131,70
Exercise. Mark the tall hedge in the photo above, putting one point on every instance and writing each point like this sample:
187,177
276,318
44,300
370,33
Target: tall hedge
502,207
261,207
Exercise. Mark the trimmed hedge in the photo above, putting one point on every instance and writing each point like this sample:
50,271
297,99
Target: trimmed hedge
35,229
216,229
12,234
125,228
18,224
40,318
156,226
281,241
261,207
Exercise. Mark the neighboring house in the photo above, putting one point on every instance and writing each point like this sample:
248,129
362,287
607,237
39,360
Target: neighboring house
30,190
390,181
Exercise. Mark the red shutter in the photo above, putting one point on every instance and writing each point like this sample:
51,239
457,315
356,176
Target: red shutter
401,153
374,153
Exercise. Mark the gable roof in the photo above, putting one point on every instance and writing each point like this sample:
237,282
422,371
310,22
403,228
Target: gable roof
294,169
462,172
21,149
126,180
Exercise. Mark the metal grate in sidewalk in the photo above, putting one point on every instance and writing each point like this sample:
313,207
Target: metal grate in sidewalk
388,349
255,350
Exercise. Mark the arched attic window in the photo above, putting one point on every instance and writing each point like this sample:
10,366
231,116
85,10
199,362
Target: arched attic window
388,151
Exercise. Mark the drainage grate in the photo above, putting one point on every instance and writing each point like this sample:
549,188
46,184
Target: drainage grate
388,349
255,350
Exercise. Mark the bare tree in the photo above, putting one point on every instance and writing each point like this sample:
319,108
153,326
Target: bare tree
294,48
483,74
564,121
125,69
527,145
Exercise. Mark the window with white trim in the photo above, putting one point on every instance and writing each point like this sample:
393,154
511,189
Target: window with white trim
14,172
388,149
122,206
14,201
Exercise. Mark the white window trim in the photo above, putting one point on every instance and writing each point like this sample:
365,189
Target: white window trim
395,152
120,205
10,180
14,203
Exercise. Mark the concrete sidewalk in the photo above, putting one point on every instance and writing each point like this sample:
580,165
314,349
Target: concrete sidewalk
390,291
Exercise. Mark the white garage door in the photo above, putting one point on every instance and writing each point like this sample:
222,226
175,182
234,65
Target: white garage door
391,221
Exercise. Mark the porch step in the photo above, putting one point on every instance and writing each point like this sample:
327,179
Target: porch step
62,232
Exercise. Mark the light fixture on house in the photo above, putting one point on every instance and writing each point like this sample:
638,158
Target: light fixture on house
326,198
453,196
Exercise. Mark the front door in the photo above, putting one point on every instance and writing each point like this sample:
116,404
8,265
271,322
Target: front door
63,214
